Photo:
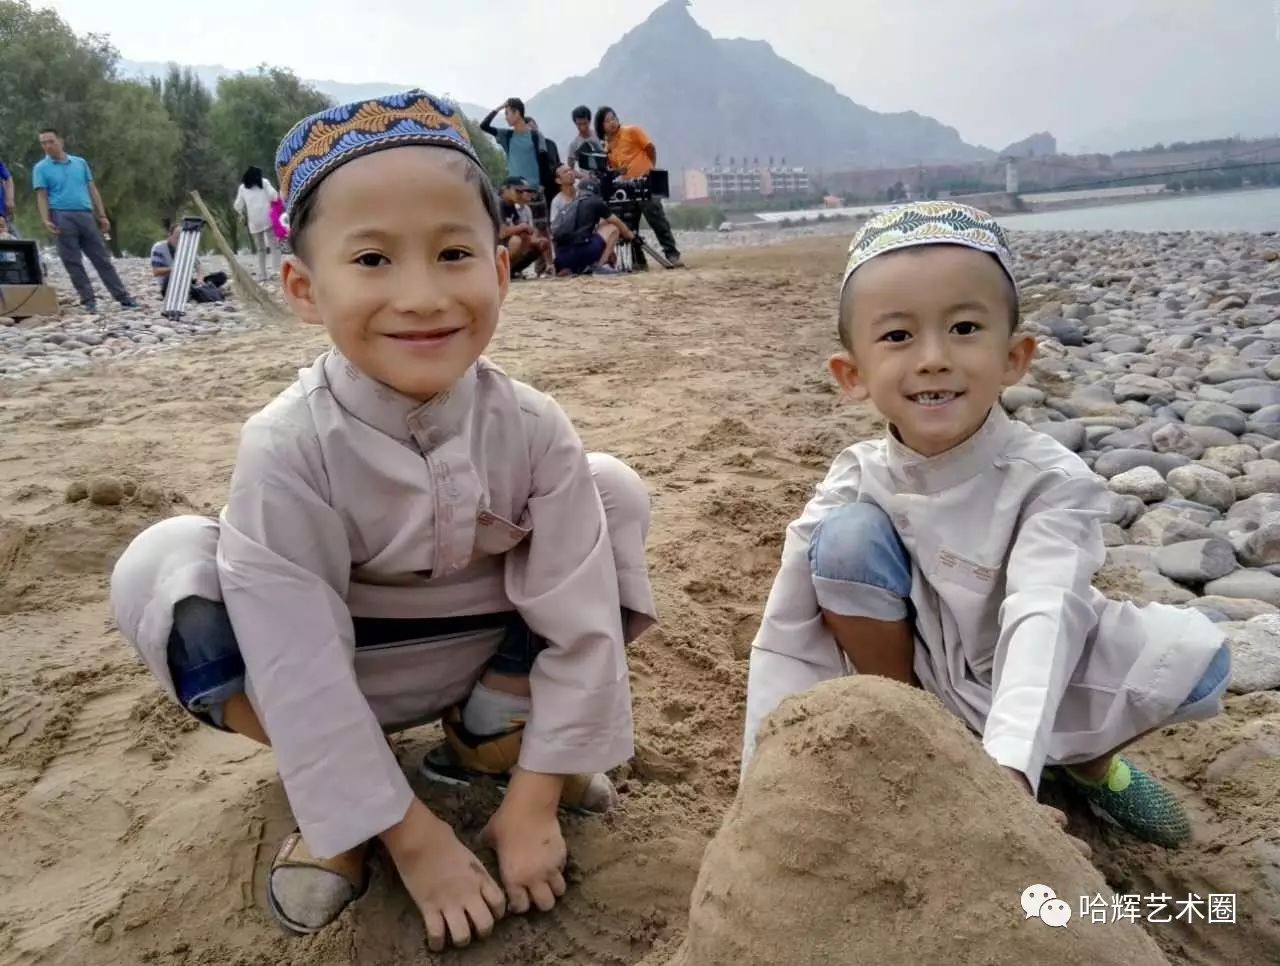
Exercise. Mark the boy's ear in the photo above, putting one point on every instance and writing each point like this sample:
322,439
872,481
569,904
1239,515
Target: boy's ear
1022,349
299,292
845,371
503,259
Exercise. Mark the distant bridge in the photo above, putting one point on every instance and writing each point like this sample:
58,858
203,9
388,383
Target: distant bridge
1227,163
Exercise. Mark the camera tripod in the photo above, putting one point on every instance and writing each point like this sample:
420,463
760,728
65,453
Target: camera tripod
625,254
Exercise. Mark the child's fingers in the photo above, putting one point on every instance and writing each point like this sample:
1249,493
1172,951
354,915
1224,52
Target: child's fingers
517,899
542,896
1059,817
481,918
459,929
494,896
557,884
434,922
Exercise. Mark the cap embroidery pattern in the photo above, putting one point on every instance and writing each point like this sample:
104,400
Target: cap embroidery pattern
320,143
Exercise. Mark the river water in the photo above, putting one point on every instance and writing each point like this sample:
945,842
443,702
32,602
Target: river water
1255,210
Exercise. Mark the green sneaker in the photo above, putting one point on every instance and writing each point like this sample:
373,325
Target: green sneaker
1130,798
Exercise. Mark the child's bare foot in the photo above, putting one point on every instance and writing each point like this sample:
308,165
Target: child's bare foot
458,899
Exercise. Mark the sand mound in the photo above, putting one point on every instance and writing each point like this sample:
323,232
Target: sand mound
872,828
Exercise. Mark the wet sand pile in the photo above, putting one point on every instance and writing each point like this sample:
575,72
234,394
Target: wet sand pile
872,828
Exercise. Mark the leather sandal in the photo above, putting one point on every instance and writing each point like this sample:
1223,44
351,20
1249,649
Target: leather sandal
464,757
305,894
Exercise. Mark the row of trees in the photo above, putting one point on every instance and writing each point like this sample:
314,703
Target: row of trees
150,143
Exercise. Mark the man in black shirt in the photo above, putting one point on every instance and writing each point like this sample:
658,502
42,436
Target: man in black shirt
586,233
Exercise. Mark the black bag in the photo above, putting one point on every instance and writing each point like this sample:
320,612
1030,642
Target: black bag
207,292
576,224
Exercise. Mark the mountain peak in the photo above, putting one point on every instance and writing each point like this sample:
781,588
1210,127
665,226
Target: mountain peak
701,98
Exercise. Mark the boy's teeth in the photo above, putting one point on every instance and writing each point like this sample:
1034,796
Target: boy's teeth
933,398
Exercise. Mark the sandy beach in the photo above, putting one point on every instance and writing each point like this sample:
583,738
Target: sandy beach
131,835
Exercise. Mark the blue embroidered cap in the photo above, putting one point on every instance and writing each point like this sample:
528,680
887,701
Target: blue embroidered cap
321,143
929,223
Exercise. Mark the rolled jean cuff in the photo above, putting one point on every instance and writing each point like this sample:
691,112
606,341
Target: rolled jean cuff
851,599
212,682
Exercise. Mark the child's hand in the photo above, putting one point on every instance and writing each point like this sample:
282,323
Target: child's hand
1057,815
525,832
454,893
1019,778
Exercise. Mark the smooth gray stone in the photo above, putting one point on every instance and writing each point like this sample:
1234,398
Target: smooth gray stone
1125,510
1255,656
1196,561
1213,376
1249,584
1210,436
1203,485
1257,397
1264,481
1262,546
1118,461
1016,397
1069,433
1176,438
1216,415
1139,438
1181,529
1236,608
1144,482
1254,509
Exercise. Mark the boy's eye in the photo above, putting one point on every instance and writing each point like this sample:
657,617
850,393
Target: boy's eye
966,328
454,254
896,335
371,259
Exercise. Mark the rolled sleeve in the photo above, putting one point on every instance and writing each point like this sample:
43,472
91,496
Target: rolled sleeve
1045,620
564,583
284,565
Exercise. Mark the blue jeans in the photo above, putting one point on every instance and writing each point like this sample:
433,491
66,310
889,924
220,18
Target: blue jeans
207,669
861,568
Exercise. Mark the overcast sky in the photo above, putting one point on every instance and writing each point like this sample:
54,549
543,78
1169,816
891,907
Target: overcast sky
995,69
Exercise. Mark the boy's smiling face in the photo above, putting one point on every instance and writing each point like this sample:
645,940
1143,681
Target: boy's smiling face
931,342
401,268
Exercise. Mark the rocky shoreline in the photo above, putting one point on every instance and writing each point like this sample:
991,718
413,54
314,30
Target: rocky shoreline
41,346
1158,365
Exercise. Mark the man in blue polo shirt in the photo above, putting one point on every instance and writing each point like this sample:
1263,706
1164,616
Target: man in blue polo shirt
6,199
68,201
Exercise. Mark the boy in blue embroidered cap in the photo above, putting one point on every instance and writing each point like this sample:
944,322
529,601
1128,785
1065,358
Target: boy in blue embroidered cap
410,535
958,552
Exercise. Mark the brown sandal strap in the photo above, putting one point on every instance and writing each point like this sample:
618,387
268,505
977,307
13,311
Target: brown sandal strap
294,854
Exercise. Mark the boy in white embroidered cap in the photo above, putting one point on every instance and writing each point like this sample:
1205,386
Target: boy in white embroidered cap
958,552
410,535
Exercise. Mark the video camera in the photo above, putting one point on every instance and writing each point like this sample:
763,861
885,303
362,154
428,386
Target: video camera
623,195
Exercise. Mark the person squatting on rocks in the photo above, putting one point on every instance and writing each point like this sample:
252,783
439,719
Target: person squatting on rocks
254,198
410,534
525,244
68,200
958,552
207,288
